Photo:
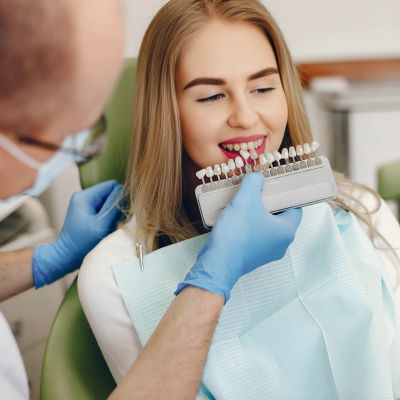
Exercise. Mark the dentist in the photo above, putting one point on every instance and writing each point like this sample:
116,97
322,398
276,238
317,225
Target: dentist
58,63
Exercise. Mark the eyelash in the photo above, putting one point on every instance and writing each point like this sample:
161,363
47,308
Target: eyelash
218,96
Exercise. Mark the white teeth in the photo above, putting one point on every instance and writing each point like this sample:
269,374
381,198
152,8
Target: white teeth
243,146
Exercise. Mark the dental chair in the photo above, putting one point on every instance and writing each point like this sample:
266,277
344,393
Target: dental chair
73,366
389,183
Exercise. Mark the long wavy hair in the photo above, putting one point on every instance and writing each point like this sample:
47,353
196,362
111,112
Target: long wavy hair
154,182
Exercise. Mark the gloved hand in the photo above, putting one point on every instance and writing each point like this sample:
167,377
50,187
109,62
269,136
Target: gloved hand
92,214
245,237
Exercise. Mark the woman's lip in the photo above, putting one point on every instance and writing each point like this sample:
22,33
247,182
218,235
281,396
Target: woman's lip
233,155
243,139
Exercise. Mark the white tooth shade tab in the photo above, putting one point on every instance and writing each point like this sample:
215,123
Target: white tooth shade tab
270,158
231,164
217,170
299,150
245,154
277,156
263,159
307,148
224,168
266,163
209,172
285,153
201,174
314,146
253,155
239,162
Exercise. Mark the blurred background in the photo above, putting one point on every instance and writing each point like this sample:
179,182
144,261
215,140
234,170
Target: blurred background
348,54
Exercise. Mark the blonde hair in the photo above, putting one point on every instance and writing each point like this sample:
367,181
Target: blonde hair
154,180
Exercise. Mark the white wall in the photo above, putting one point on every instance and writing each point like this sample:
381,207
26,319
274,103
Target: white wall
314,29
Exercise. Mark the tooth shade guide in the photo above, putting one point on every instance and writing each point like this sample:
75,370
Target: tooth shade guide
285,155
217,171
201,174
269,164
209,173
307,149
277,157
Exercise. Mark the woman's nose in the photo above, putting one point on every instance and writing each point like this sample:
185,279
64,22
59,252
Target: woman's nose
243,115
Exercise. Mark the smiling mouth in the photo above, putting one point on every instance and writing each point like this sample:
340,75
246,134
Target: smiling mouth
232,148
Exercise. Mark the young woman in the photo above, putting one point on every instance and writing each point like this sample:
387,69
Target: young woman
211,73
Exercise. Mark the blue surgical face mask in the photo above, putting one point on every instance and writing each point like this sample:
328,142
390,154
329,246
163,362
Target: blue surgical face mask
46,171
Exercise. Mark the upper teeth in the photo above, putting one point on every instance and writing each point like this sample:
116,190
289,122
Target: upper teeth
243,146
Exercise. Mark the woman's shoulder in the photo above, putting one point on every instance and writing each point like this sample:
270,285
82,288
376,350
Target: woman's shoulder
116,248
102,303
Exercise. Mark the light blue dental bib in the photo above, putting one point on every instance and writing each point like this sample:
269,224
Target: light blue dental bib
316,324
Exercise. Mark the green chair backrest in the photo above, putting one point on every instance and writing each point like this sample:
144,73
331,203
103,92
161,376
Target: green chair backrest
73,366
389,181
118,121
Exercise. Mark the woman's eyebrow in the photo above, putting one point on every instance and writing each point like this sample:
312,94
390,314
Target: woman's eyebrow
219,81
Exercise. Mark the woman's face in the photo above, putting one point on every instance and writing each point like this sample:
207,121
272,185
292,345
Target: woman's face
229,94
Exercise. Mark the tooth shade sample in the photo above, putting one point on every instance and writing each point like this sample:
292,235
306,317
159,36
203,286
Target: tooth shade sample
209,172
253,155
307,149
263,159
217,170
224,168
299,150
292,152
201,174
285,153
270,158
314,146
239,162
231,165
277,156
245,154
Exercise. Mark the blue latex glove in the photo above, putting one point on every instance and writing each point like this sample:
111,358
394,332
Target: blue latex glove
92,214
245,237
